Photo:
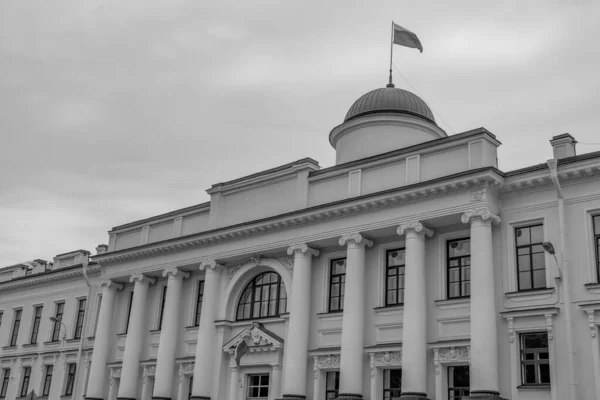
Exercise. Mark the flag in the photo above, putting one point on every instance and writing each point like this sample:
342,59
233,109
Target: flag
240,350
404,37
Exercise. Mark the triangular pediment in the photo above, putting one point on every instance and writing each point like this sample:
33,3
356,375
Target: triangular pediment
256,337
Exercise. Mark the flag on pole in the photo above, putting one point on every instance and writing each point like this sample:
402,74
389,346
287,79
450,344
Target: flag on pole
404,37
240,350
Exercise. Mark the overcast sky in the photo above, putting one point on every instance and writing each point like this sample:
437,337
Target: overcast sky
117,110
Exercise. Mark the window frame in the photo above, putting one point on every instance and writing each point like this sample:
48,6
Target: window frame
342,283
128,312
397,275
35,324
97,317
596,242
390,390
48,373
252,285
161,308
199,300
536,362
16,326
260,385
530,246
461,389
56,332
461,267
70,379
79,318
26,378
336,384
5,382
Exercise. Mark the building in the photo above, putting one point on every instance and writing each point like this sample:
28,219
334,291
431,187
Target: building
413,266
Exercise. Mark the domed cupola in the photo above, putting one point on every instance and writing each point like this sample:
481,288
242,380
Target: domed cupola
390,100
383,120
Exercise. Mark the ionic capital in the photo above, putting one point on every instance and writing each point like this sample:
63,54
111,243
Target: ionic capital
302,248
174,271
209,265
355,238
108,284
139,277
414,226
483,214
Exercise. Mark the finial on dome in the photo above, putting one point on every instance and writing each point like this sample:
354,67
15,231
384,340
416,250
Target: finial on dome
390,84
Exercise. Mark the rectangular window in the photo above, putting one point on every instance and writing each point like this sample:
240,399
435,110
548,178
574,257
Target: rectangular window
332,384
394,282
458,382
199,303
80,316
337,283
596,221
97,313
258,387
190,388
69,383
392,384
35,327
162,308
531,264
5,381
58,315
15,329
25,381
129,304
47,380
459,268
535,359
1,316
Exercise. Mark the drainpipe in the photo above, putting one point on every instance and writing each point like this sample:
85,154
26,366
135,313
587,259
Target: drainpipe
79,371
552,164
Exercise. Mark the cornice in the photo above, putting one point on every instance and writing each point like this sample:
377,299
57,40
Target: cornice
56,276
417,192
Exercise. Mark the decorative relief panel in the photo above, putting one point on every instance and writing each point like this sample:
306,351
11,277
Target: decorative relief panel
329,361
450,355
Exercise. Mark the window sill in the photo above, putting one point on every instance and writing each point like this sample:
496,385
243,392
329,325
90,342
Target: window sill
73,340
5,348
592,287
121,335
539,294
450,304
389,310
155,332
191,328
30,345
331,316
52,342
533,387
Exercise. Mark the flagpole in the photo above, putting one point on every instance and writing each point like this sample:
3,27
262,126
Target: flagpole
390,84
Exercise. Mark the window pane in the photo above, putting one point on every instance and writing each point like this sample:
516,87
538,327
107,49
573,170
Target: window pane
597,225
396,257
391,282
529,373
538,261
335,304
539,278
535,340
544,373
454,275
467,273
454,290
523,251
391,297
466,288
522,235
524,280
523,263
459,248
537,234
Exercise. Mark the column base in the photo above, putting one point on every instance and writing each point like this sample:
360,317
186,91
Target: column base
413,396
484,395
293,397
349,396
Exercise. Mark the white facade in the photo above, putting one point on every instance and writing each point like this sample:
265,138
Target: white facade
406,212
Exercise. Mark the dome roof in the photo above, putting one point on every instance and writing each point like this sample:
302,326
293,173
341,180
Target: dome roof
390,100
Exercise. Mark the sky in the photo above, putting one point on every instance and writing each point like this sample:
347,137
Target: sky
117,110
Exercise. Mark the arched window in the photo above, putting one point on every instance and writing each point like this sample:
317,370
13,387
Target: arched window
265,296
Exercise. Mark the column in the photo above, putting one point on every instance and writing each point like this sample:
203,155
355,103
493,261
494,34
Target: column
297,351
351,362
98,370
484,351
135,338
414,336
167,346
276,381
234,384
204,372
